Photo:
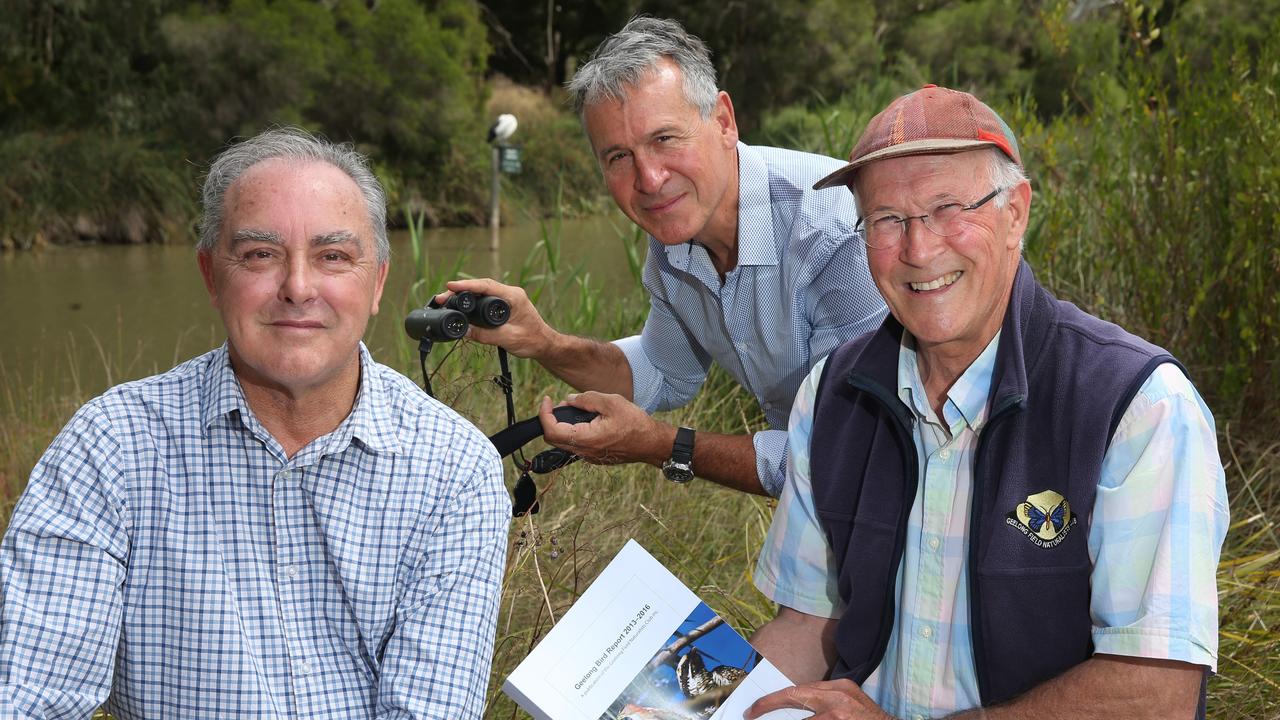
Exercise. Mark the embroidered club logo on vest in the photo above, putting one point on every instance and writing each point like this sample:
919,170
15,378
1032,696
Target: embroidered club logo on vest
1045,518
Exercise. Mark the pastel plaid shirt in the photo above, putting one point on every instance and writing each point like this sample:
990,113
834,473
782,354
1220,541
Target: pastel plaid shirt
1157,527
800,288
169,561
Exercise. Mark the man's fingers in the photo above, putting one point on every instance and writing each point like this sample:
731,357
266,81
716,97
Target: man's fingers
479,286
593,401
840,698
792,697
548,420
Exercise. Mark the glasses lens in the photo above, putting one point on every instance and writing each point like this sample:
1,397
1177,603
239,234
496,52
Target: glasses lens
944,219
882,232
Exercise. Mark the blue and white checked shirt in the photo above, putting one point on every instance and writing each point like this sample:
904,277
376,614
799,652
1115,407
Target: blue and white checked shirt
801,287
169,560
1157,526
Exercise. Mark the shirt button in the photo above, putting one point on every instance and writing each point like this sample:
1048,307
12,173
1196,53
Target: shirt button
767,406
926,632
291,572
302,667
918,717
283,475
933,543
944,454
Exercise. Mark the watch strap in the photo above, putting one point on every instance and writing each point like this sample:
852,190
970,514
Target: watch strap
682,449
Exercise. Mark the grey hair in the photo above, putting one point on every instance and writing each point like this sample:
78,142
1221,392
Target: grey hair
1005,173
290,143
627,56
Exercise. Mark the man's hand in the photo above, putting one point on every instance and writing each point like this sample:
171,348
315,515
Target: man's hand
622,433
584,363
827,700
525,334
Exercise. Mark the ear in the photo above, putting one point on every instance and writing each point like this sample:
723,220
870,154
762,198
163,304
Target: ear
1019,209
205,261
378,285
725,119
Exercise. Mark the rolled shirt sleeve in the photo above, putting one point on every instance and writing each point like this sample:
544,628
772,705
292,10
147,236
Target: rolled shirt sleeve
1157,529
796,568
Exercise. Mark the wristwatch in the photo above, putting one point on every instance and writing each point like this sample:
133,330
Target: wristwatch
679,468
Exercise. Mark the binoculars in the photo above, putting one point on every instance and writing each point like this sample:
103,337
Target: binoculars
448,322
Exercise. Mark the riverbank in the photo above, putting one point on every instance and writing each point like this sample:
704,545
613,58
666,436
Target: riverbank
85,188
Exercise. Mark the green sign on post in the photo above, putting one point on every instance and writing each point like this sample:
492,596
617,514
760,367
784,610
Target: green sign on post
510,159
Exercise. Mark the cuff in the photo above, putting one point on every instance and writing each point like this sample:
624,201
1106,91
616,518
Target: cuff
645,379
1155,645
771,459
769,586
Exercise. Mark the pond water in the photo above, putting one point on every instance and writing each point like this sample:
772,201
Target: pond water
79,319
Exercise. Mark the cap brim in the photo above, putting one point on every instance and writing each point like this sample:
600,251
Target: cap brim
844,175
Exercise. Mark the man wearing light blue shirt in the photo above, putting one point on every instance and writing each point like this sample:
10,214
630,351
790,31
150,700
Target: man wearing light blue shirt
747,267
280,528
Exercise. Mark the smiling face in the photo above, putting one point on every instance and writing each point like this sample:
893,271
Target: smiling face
295,276
949,292
672,172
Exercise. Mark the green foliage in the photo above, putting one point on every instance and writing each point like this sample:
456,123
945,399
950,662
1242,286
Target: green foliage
1160,211
401,79
60,187
829,128
559,176
768,53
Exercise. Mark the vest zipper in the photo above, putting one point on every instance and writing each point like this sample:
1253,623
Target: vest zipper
976,629
910,465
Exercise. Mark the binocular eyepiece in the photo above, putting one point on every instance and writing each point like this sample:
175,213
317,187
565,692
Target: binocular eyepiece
448,322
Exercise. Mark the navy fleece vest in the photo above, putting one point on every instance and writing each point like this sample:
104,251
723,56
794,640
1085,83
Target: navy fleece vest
1061,382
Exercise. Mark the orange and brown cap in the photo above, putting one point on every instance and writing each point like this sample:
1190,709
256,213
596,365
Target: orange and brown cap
930,121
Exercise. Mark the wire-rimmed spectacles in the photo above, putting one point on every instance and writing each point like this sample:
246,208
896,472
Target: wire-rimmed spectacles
886,230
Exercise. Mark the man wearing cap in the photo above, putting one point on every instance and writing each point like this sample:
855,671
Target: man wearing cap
995,502
747,267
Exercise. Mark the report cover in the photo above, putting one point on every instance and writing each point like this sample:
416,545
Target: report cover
640,645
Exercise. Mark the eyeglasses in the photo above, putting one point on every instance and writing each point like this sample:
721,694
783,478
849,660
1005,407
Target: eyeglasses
887,230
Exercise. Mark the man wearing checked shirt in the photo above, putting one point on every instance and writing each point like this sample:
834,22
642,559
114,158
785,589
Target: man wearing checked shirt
997,506
281,528
747,267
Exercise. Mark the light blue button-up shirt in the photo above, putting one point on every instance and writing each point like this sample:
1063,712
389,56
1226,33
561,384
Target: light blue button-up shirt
800,288
169,560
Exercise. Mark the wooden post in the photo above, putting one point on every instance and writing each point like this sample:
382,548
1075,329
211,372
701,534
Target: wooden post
494,190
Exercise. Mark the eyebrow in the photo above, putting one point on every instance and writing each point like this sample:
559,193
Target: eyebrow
240,237
664,130
248,235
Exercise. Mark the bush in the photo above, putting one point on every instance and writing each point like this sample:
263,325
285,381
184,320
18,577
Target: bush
559,176
1160,209
87,185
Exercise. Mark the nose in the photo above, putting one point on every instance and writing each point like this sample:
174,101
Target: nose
651,174
919,243
298,286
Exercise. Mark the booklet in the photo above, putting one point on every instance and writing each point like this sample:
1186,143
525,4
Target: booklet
639,645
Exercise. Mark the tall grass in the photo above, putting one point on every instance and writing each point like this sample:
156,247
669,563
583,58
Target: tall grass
709,537
706,535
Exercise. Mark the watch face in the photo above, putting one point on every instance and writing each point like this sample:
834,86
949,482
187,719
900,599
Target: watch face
677,472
